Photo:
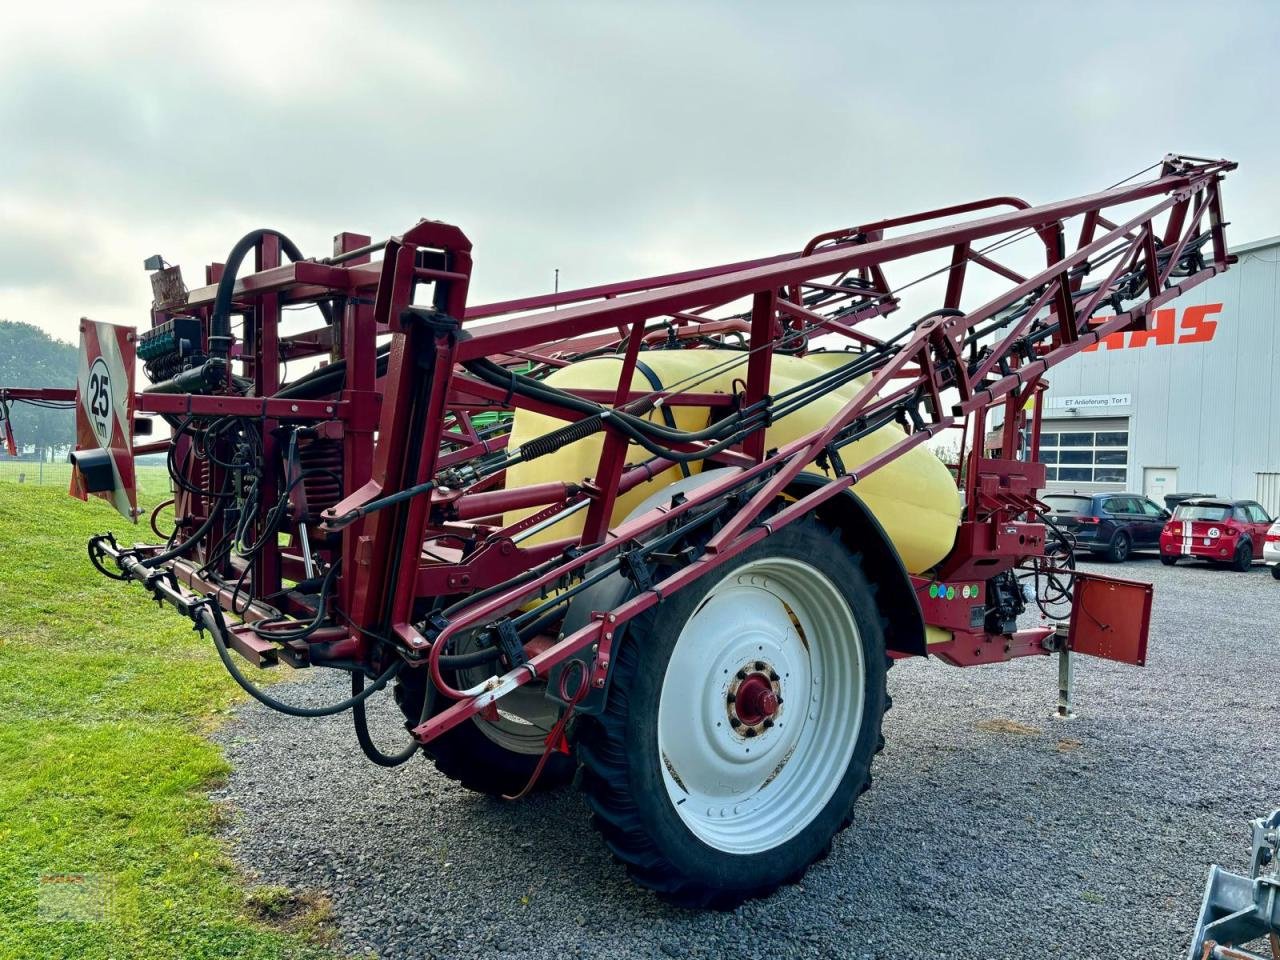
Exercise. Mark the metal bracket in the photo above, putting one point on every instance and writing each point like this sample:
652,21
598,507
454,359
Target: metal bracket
509,643
634,566
1058,641
1237,909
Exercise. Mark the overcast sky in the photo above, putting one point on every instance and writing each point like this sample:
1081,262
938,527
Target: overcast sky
608,140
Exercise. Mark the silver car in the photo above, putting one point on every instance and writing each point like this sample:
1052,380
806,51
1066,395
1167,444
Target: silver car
1271,549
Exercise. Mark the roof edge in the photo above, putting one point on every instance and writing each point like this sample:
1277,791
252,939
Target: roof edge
1255,245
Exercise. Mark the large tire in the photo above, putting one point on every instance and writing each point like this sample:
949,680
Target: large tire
1120,548
495,758
665,768
1242,562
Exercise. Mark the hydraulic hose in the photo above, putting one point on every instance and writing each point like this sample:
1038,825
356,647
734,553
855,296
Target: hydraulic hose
220,322
499,376
360,721
326,381
188,543
265,698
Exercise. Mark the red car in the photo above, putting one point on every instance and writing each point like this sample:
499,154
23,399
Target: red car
1210,528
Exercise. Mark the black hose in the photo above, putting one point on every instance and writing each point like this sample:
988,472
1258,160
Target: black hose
360,721
220,321
286,708
188,543
325,381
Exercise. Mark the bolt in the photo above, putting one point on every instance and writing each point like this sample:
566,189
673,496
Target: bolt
732,697
767,723
735,722
742,674
759,664
773,676
751,731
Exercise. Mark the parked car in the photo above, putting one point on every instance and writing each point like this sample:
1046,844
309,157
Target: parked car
1271,549
1111,525
1213,528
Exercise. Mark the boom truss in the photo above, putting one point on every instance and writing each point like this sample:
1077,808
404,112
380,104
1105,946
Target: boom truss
391,460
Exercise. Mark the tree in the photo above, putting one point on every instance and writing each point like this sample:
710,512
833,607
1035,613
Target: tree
29,357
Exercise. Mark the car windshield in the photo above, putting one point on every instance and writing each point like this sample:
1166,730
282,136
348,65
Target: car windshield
1202,511
1067,506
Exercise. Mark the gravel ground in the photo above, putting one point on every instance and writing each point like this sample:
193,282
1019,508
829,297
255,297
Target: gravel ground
993,829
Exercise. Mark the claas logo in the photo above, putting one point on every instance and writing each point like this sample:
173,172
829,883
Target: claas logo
1166,330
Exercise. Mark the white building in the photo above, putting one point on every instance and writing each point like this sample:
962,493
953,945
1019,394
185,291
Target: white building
1189,406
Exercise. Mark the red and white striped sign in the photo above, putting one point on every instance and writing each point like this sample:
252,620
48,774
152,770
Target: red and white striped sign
104,409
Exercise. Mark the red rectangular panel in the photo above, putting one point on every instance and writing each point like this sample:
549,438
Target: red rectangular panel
1110,618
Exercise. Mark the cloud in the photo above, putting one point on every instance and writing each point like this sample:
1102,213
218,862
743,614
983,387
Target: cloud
609,140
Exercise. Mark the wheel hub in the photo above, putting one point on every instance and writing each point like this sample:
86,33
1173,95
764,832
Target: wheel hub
754,699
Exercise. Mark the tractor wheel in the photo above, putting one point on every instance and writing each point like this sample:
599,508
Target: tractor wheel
741,724
492,757
1242,562
1168,559
1120,548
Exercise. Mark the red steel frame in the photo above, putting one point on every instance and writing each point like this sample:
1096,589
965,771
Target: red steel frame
400,431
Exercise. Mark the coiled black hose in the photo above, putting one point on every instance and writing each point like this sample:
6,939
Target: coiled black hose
220,321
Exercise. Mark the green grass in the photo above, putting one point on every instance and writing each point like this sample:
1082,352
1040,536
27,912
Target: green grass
104,768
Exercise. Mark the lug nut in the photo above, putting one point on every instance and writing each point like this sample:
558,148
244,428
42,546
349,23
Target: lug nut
751,732
735,722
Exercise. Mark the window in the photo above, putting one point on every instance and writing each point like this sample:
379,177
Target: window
1127,505
1256,513
1067,506
1150,509
1202,511
1086,456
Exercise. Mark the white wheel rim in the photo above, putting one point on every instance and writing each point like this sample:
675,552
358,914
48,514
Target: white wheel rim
746,794
525,716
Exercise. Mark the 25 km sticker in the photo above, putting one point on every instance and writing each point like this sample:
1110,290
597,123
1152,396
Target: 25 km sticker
100,401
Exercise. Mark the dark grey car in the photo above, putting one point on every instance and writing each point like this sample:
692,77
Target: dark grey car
1111,525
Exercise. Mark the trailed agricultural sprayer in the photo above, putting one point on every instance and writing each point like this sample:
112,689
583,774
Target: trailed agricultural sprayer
671,532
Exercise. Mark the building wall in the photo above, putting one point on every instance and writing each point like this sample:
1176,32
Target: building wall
1203,405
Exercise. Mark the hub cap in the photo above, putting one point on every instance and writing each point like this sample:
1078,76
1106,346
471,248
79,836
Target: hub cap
761,705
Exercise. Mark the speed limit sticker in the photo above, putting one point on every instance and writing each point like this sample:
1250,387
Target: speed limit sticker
101,409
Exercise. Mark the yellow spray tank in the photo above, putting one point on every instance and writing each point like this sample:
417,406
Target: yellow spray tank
914,497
